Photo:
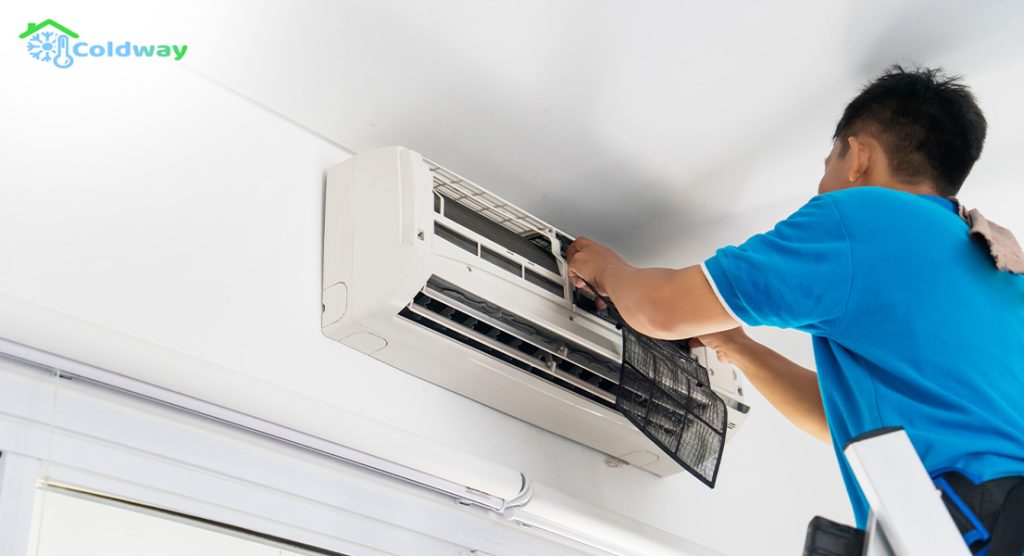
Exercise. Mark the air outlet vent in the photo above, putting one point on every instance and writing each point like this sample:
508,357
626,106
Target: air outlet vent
488,328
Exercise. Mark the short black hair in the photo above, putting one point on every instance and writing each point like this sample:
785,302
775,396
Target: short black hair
928,123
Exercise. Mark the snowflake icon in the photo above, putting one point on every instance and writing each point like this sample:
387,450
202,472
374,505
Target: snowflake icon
48,42
43,46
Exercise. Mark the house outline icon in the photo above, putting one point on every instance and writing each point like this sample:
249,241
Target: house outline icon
32,28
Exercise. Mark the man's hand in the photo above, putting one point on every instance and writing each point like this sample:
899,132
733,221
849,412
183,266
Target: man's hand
724,343
587,262
792,389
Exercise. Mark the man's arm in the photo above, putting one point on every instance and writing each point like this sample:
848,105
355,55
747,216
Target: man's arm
792,389
676,304
666,303
658,302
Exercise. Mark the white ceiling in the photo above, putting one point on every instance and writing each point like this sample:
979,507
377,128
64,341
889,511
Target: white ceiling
661,128
642,124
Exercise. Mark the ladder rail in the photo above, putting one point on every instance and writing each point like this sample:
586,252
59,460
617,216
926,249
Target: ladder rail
908,517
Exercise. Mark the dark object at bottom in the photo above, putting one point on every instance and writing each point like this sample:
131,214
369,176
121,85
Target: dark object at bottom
828,538
990,515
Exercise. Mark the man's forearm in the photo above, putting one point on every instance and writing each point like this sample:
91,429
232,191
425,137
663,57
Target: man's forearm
666,303
792,389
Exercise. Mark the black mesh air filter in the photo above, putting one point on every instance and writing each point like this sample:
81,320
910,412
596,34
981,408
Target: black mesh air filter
666,394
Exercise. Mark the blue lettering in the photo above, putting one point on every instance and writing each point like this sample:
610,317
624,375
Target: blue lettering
110,49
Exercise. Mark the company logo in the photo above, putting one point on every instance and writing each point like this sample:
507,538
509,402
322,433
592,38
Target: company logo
50,41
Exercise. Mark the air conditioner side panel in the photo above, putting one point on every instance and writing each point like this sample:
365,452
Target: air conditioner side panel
377,232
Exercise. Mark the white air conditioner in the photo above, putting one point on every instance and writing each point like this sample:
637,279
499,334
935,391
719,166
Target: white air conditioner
436,276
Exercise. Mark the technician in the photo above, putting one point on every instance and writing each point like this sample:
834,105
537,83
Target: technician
914,305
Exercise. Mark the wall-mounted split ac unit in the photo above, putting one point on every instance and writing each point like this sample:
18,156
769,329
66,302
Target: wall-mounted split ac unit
436,276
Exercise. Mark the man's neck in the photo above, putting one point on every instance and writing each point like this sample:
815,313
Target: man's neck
921,188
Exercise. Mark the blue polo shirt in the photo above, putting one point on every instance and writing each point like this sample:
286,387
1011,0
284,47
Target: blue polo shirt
912,324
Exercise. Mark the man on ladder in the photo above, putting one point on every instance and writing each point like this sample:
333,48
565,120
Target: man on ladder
914,304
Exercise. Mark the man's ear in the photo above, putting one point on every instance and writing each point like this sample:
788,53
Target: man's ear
860,157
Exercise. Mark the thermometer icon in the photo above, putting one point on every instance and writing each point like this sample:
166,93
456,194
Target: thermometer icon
63,59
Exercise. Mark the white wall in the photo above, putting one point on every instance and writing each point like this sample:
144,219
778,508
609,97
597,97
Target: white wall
144,198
